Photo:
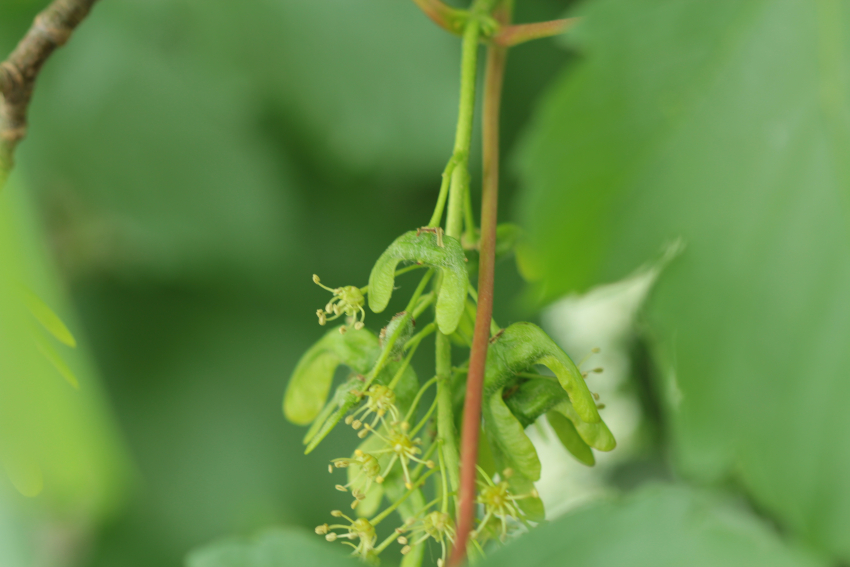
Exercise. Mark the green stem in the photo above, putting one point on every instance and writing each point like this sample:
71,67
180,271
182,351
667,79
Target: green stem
418,397
411,347
380,517
437,217
424,303
425,419
385,354
446,431
454,225
469,220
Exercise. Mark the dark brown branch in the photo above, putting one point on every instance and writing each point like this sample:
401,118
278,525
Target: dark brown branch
51,29
509,36
494,78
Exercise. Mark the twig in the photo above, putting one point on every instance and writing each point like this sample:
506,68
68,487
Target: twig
509,36
496,59
51,29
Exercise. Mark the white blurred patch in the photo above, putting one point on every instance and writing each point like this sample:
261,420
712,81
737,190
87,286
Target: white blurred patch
604,318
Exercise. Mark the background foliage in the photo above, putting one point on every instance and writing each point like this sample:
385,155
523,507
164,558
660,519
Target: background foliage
190,165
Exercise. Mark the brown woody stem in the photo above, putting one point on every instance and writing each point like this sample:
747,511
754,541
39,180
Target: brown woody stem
51,29
494,78
509,36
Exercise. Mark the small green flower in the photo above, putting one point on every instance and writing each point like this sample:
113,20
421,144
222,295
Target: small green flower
437,525
360,529
380,402
499,504
369,470
346,300
402,448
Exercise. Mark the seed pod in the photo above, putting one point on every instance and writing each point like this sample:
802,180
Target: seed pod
566,432
522,346
535,397
597,435
507,433
311,380
423,248
532,398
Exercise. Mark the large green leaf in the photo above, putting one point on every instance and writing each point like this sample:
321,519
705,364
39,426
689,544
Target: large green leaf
724,123
656,527
275,548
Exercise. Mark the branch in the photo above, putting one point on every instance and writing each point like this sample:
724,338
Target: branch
509,36
494,78
51,29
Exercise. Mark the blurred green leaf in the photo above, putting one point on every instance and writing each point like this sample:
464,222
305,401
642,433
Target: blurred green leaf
659,526
275,548
725,123
51,435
